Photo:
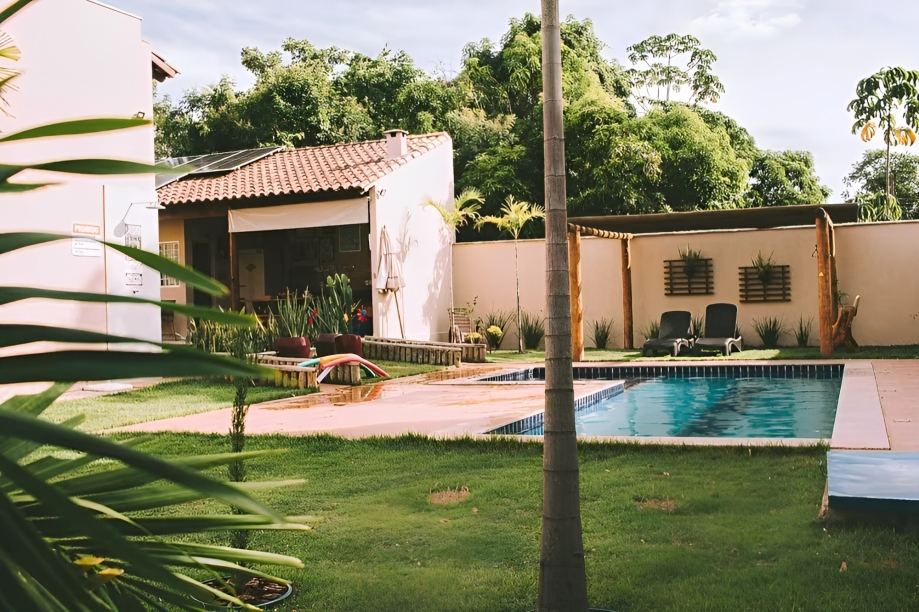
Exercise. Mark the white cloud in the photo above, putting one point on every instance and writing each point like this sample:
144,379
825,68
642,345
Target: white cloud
745,18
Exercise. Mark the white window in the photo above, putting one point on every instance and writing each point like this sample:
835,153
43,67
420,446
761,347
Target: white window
169,250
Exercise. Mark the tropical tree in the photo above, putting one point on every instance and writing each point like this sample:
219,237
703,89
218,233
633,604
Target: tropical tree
671,63
562,576
880,98
867,180
464,209
784,178
515,215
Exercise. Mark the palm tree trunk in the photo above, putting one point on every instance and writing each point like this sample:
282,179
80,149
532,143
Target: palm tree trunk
887,185
562,578
517,276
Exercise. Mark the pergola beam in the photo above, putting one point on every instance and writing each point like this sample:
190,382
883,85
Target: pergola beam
577,301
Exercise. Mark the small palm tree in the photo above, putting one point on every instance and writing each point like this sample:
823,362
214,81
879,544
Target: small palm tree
516,214
465,209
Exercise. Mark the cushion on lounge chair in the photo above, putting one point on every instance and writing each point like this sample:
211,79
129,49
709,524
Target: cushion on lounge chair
720,330
673,334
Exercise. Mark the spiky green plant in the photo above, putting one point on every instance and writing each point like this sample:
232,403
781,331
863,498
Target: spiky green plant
765,266
532,330
692,261
803,331
650,331
770,330
601,330
295,315
698,325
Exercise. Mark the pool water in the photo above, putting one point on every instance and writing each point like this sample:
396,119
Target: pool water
734,407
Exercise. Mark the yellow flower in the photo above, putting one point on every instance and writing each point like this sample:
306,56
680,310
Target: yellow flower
346,317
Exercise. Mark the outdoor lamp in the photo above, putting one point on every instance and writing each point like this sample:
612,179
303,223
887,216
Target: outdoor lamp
121,228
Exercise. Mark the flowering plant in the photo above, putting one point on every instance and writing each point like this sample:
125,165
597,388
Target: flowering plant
494,335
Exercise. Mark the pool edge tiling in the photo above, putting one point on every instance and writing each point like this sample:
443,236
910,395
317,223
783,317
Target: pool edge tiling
860,421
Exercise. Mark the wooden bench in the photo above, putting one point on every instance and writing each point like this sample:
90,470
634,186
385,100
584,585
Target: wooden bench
420,351
287,373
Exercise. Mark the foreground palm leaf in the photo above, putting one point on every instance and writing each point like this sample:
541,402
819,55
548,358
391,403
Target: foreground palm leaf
72,537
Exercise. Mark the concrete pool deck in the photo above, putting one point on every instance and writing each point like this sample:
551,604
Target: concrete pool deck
878,407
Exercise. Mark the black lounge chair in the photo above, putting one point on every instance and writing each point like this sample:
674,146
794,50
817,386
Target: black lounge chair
720,330
673,335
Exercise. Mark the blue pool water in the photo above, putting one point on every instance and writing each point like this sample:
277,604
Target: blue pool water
735,407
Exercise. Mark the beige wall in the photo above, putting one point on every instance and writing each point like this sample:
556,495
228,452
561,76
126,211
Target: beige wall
875,261
417,235
173,230
112,78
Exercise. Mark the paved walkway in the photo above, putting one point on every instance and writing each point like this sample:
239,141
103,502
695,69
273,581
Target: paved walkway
439,404
898,388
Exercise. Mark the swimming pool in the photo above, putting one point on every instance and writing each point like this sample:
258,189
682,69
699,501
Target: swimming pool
794,401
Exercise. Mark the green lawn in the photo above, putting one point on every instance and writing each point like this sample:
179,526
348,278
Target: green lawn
665,528
162,401
868,352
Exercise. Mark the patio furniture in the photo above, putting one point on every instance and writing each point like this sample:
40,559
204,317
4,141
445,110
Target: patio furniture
842,329
460,324
720,330
673,335
168,322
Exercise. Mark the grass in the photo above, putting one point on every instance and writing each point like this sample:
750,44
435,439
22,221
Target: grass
398,369
664,528
162,401
865,352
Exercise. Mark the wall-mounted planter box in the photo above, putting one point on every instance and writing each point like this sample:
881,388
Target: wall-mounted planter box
676,282
777,289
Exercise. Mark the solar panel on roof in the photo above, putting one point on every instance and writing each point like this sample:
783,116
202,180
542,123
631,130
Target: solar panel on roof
180,167
236,160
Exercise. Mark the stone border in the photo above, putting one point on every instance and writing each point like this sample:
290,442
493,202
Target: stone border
859,421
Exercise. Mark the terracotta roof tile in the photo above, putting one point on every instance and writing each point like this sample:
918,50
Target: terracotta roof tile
356,165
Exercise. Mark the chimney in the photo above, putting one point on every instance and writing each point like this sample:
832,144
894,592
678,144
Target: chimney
396,146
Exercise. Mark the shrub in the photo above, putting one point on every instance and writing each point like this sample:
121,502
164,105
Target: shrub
494,334
498,319
532,329
601,330
651,330
770,329
473,338
803,332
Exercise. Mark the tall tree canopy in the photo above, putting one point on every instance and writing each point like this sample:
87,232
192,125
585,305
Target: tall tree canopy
675,156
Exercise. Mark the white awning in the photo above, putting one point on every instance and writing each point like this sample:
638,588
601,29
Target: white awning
294,216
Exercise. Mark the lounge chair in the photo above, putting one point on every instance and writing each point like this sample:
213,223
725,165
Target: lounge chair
720,330
673,335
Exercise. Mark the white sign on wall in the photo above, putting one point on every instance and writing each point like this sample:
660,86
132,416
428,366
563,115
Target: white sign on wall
85,241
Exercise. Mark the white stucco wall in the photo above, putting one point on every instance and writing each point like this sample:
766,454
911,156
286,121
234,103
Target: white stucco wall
875,261
80,59
416,233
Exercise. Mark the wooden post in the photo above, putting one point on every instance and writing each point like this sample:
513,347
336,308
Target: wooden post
825,296
834,279
627,326
234,274
577,300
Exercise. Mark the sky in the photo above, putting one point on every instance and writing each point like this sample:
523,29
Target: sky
789,67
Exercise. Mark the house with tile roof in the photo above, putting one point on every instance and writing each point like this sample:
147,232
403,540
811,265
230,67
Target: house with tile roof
267,221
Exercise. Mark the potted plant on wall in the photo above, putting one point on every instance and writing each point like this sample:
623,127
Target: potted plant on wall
692,261
764,267
295,324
